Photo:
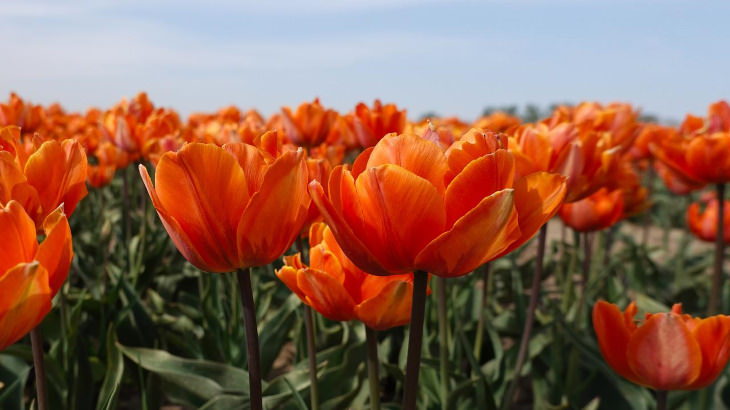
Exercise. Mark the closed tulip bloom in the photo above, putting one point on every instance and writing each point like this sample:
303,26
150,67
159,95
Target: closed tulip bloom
54,173
599,211
703,223
339,290
407,206
30,273
230,207
666,351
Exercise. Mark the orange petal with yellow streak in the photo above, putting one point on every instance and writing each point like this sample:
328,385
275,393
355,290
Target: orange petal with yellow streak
25,299
203,187
326,295
390,307
18,235
56,250
417,155
402,213
476,238
276,213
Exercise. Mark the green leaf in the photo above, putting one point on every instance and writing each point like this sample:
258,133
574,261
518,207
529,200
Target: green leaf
114,372
13,376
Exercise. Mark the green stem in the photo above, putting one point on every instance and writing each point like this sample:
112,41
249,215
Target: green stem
371,337
530,319
36,341
479,339
715,301
443,342
415,340
252,339
312,358
661,400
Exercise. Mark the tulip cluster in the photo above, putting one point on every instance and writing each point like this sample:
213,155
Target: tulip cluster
384,204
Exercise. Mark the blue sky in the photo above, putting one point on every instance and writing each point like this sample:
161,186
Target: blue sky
454,58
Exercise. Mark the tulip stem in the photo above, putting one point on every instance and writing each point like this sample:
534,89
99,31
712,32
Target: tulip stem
371,337
311,357
311,342
36,341
715,301
415,340
482,312
443,341
252,339
661,400
530,319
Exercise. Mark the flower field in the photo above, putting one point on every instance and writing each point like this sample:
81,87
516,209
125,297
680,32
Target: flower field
364,259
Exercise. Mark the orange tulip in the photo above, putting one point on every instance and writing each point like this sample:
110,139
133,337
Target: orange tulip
232,207
30,273
108,158
336,288
700,155
703,223
594,213
53,174
586,160
309,125
498,121
675,181
370,125
667,351
406,206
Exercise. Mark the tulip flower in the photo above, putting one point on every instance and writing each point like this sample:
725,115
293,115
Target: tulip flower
408,206
336,288
30,273
370,125
599,211
54,173
309,125
498,121
108,158
230,208
585,159
665,351
703,223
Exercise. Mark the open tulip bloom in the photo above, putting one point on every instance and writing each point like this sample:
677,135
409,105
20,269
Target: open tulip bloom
231,208
408,206
665,351
30,273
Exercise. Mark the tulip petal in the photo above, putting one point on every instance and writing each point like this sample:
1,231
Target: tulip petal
402,213
613,337
204,188
326,295
390,307
276,213
56,251
663,354
288,275
538,197
25,299
351,244
252,162
713,336
417,155
479,179
476,238
18,235
194,248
